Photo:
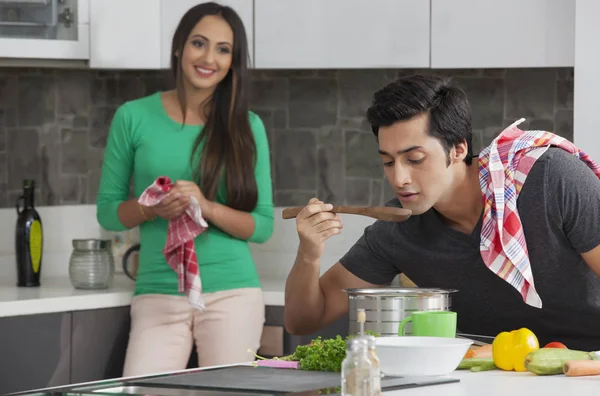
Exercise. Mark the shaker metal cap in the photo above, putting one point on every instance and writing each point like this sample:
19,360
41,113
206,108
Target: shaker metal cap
91,244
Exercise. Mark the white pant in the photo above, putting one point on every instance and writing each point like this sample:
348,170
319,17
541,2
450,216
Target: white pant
165,327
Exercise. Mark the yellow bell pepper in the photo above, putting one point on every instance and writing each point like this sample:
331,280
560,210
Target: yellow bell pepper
509,349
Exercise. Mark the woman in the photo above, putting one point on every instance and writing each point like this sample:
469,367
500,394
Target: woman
203,137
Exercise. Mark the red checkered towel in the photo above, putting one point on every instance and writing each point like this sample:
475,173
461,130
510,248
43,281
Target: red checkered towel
180,250
503,168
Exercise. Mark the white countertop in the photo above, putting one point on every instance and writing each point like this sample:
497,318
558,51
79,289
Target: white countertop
504,383
58,295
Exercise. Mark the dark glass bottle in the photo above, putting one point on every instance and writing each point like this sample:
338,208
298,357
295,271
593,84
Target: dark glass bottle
28,238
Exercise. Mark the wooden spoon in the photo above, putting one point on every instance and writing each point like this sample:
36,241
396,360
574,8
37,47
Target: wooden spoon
383,213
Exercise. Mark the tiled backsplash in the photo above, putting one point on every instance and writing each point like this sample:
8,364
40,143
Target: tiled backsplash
54,123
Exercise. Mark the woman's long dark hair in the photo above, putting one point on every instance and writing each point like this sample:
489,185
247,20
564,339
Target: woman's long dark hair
228,140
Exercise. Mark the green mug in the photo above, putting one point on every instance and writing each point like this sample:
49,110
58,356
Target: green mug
430,324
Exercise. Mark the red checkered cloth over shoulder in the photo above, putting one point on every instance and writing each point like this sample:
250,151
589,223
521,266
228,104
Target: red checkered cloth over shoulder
503,169
179,250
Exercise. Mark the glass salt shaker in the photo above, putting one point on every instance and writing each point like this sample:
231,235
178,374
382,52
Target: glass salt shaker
376,378
357,369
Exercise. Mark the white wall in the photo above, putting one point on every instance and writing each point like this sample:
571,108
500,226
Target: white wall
276,257
62,224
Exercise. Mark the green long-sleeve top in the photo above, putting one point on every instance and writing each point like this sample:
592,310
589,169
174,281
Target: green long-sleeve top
144,141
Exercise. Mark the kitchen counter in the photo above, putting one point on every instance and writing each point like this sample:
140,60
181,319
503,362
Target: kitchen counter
488,383
58,295
501,383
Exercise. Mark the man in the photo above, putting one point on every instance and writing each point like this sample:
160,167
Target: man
423,127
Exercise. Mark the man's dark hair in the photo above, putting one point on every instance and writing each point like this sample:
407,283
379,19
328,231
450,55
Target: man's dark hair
448,109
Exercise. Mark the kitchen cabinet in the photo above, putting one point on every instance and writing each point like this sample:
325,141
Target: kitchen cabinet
44,29
34,351
502,34
299,34
172,11
274,318
587,79
38,351
99,340
125,34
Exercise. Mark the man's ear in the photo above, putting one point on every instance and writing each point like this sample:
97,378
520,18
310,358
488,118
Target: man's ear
459,152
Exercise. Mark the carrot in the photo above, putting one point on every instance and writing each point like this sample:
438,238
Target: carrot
578,368
483,351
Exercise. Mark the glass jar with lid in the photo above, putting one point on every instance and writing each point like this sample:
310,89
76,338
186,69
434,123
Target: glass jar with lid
92,264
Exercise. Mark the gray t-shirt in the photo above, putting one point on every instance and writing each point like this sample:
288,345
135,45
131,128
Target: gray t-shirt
559,207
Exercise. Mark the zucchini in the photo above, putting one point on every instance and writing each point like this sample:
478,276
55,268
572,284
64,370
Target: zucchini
550,361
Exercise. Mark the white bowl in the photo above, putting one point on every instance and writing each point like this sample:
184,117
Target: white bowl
420,356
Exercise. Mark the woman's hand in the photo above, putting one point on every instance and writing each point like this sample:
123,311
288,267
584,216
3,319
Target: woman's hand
191,189
171,206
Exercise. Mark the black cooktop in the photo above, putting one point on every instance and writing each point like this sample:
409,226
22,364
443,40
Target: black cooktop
273,381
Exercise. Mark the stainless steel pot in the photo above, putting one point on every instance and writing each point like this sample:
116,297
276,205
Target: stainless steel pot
386,307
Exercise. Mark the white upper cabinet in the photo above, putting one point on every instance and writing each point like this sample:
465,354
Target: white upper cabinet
587,78
341,33
41,29
172,11
499,34
125,34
